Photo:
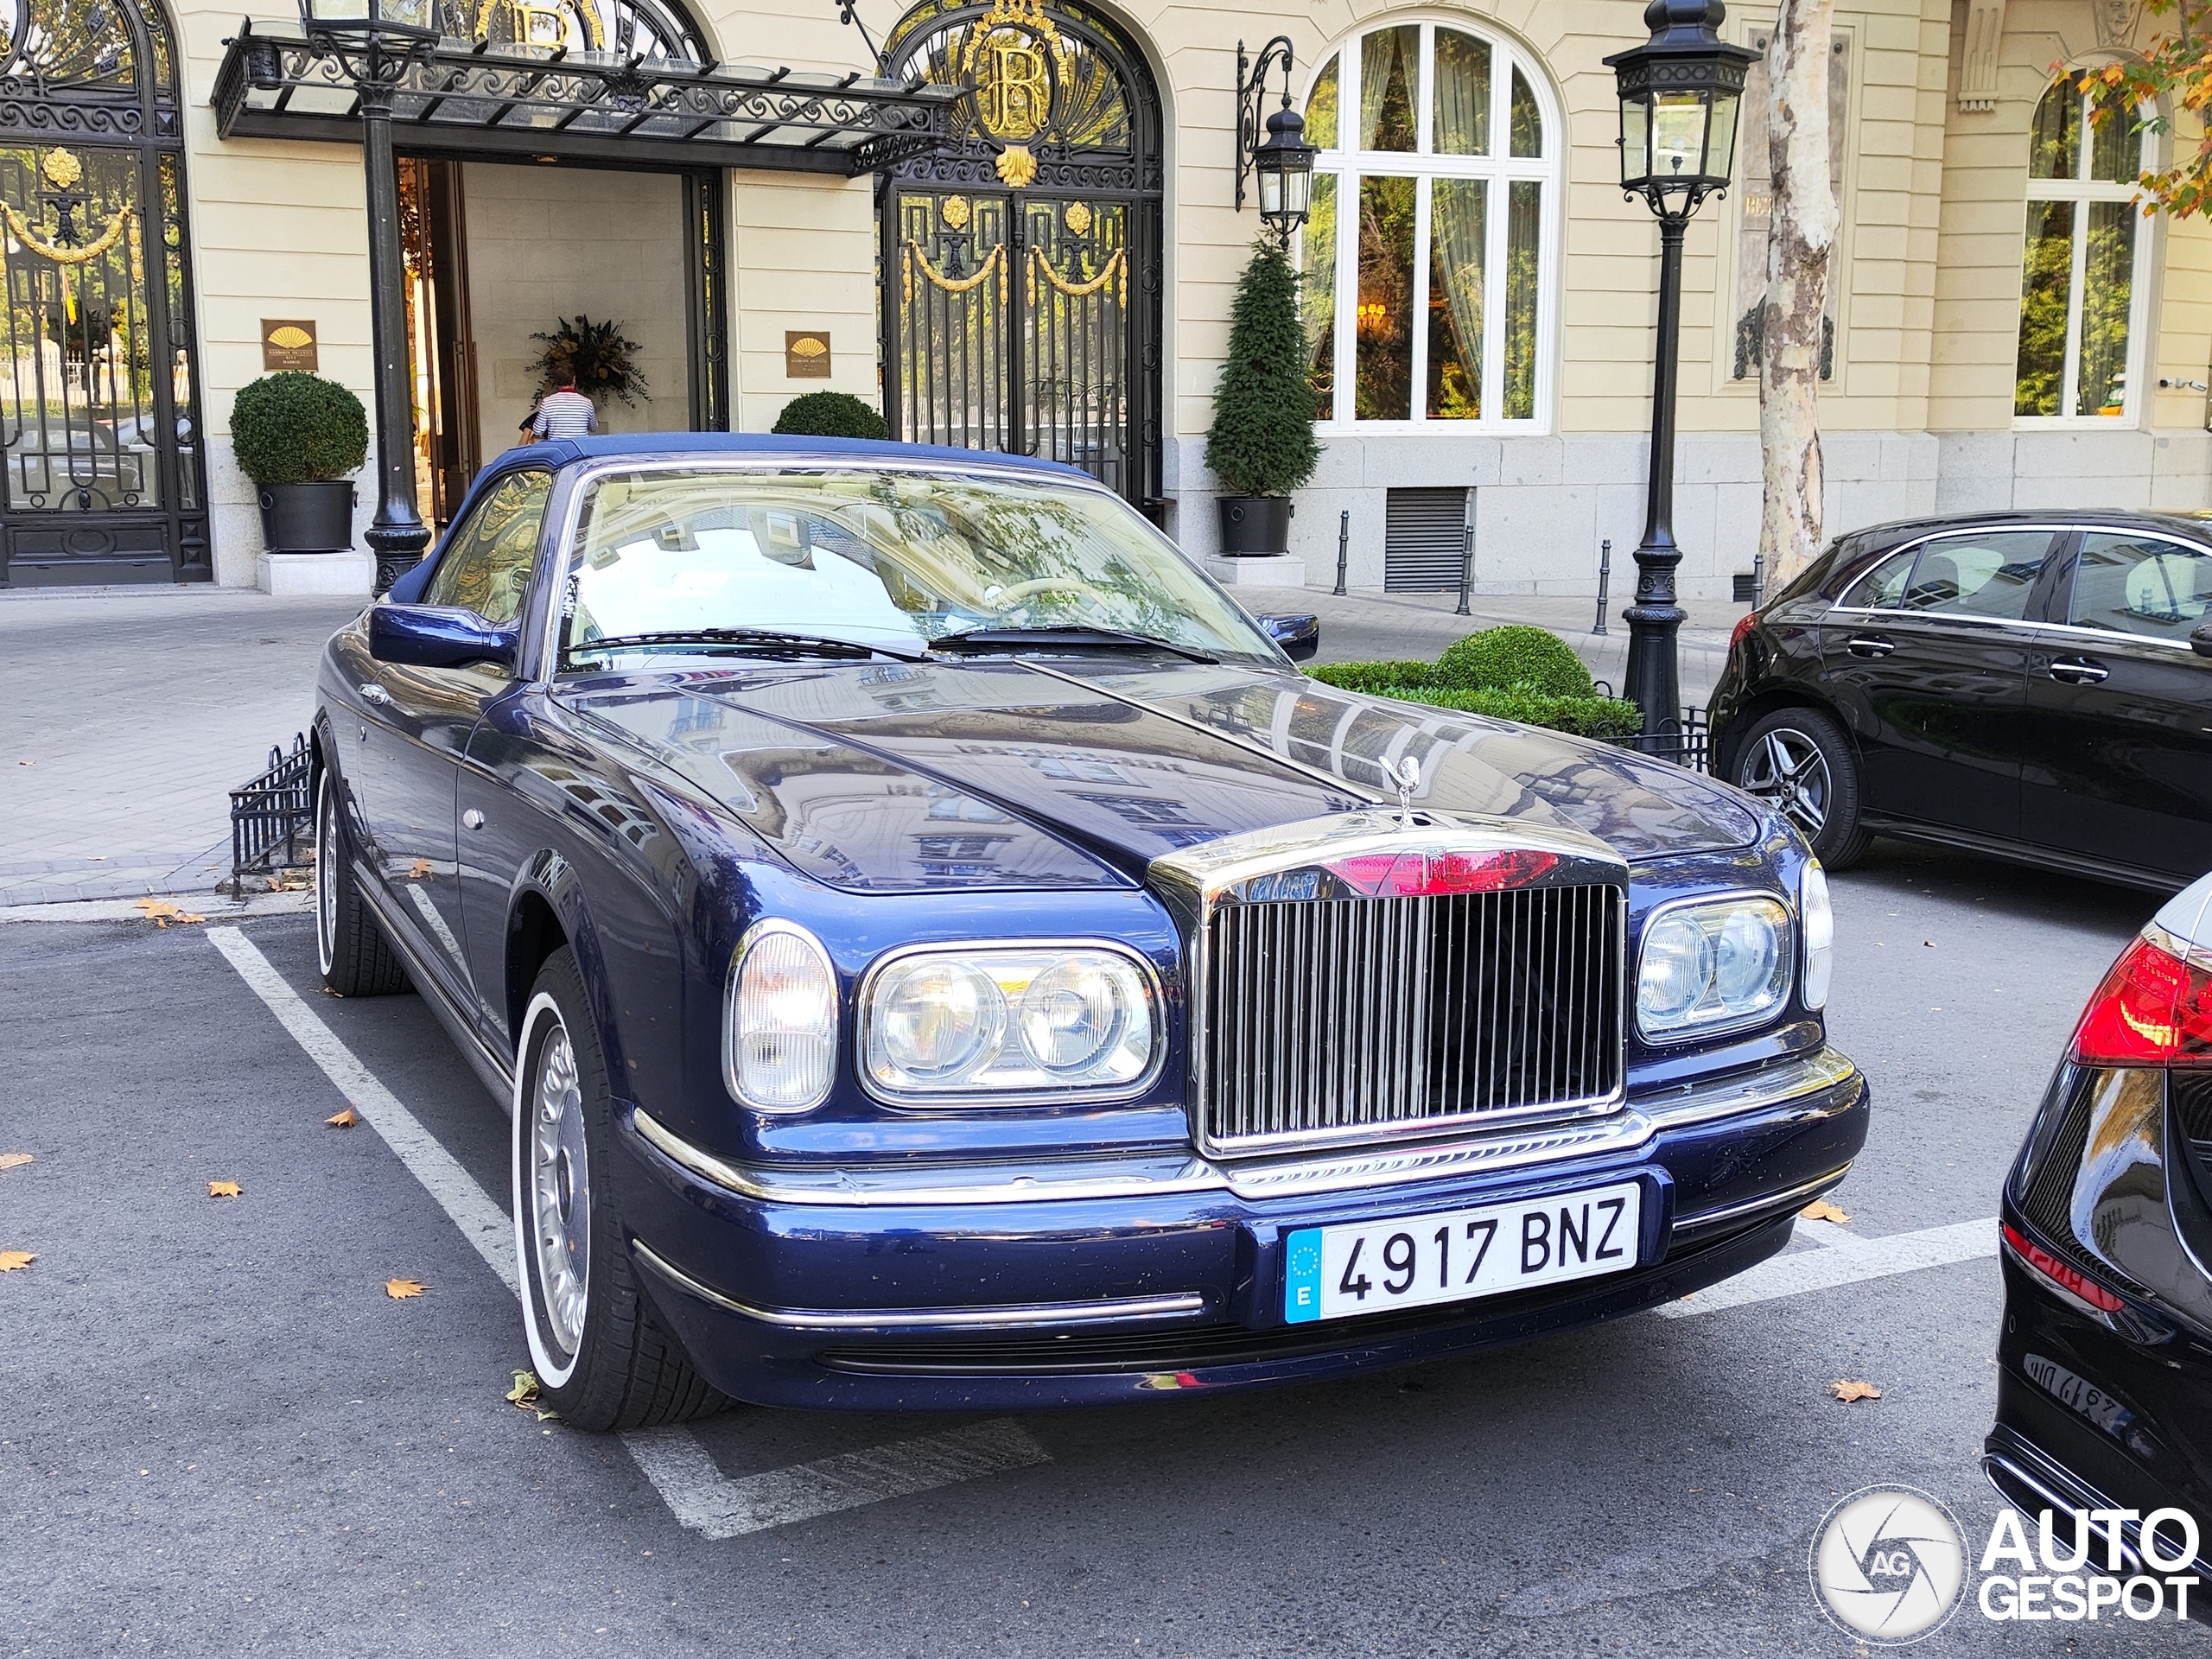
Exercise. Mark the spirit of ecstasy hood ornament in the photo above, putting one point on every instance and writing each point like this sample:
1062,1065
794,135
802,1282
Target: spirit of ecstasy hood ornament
1405,773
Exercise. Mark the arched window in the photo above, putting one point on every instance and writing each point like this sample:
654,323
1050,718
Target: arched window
1428,256
2081,277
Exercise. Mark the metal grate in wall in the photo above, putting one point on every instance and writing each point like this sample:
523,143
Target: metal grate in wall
1425,539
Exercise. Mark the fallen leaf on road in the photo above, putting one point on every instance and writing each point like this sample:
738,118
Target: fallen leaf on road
421,871
161,912
344,1120
11,1259
1822,1209
14,1160
400,1289
1929,944
224,1189
290,881
524,1396
1848,1391
27,763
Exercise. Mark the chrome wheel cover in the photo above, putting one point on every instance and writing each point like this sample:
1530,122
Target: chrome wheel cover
560,1191
326,876
1786,769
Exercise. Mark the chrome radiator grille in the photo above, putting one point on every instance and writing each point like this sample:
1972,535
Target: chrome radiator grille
1332,1020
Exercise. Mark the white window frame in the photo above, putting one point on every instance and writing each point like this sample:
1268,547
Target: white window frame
1348,166
2082,190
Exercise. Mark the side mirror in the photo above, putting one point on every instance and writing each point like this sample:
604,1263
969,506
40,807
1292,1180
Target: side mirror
2200,639
438,636
1299,633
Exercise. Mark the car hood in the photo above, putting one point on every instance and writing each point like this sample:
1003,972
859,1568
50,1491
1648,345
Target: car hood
1070,773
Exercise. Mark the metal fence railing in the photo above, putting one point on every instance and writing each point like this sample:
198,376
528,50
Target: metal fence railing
272,816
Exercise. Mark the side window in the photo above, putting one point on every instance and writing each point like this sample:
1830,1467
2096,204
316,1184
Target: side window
1882,587
1988,575
2142,585
486,561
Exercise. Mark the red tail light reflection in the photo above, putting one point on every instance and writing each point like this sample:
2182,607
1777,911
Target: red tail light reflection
2042,1262
2154,1009
1414,875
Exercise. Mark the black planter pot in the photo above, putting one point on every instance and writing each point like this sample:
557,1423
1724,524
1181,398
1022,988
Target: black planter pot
1254,525
315,518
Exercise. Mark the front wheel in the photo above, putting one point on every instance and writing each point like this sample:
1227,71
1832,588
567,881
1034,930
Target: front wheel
350,948
1799,762
602,1359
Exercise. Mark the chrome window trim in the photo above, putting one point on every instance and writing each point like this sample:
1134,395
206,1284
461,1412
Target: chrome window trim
986,1099
1810,1079
1181,1305
1791,951
2120,636
759,930
2196,548
1915,545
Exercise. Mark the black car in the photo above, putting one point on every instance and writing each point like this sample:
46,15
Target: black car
2104,1392
2035,686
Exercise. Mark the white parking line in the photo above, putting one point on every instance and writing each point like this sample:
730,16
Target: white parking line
1863,1258
681,1469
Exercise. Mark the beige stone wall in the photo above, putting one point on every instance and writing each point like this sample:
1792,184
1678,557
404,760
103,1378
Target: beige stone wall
802,254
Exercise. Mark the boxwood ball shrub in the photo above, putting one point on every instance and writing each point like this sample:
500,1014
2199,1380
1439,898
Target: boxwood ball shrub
829,415
293,427
1498,658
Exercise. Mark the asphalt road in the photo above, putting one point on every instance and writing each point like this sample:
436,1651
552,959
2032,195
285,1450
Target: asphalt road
218,1435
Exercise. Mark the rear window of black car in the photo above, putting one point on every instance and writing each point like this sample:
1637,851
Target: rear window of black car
1986,574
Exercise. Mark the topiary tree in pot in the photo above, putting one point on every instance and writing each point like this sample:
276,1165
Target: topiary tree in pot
297,436
1261,444
829,415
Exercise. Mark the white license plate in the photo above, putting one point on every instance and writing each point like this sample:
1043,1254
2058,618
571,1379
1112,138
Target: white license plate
1455,1256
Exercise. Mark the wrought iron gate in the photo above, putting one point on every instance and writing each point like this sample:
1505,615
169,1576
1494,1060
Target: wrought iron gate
1021,266
102,479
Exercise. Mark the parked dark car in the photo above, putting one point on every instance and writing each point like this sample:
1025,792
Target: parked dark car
2104,1390
2034,686
938,952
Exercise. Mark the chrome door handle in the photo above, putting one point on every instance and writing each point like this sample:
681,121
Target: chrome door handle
2078,671
1869,644
371,692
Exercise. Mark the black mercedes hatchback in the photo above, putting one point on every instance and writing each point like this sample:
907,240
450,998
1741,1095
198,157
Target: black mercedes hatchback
2104,1387
2032,686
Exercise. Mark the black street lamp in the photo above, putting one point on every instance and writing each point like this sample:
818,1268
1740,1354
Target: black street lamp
375,42
1679,93
1283,167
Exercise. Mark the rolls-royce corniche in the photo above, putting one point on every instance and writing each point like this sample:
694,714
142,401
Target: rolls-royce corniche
938,950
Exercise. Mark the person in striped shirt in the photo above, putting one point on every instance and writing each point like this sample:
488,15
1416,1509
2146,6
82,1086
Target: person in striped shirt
566,412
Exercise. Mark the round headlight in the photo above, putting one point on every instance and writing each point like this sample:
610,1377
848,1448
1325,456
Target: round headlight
1748,951
1070,1014
1677,968
934,1017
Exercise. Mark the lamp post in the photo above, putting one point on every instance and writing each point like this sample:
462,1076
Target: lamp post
375,42
1281,167
1679,93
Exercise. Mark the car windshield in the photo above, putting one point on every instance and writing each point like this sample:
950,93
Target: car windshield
670,561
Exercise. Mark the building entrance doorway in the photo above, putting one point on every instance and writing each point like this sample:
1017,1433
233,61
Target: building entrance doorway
1021,275
101,477
502,259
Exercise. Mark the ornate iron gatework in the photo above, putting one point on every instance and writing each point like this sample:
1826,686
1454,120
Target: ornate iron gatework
101,477
585,81
1021,265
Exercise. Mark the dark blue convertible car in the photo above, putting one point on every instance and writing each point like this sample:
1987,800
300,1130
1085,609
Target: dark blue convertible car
938,952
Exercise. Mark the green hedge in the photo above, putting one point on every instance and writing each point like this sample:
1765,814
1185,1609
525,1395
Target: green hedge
1516,673
291,428
829,415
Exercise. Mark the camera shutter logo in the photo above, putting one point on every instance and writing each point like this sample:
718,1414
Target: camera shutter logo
1889,1564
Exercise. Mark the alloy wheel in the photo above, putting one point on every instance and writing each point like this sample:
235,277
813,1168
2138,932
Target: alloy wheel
326,876
560,1189
1787,769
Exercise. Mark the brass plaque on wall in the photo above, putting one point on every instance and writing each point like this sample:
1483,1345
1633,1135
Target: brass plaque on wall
806,354
287,343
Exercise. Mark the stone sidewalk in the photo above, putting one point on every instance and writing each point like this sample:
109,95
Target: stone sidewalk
126,715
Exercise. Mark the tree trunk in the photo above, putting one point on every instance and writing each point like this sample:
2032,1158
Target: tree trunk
1801,243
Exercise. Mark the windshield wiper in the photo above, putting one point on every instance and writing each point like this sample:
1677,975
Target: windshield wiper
772,640
985,638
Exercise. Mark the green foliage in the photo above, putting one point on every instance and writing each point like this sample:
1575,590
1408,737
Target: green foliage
1497,659
1261,442
1375,677
1583,716
298,428
602,358
829,415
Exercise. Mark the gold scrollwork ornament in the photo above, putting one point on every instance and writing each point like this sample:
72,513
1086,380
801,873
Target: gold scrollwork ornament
954,211
62,169
1016,165
1077,218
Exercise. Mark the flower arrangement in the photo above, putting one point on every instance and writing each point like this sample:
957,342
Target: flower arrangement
602,358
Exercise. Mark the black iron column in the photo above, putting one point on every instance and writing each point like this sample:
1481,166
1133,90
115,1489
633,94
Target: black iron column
1654,677
398,535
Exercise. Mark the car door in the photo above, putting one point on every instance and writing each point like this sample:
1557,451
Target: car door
427,714
1926,656
2123,772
